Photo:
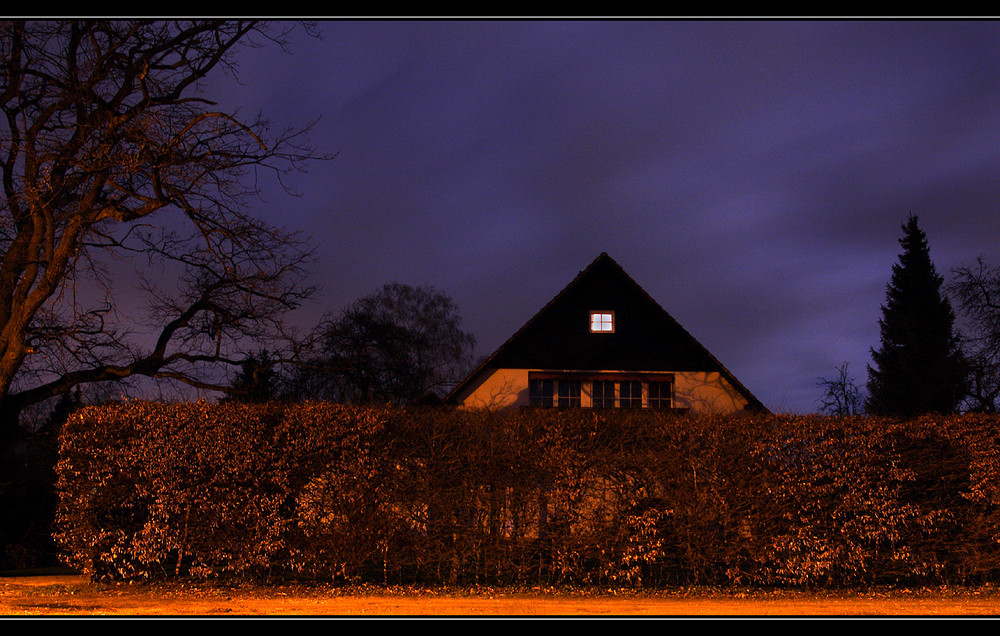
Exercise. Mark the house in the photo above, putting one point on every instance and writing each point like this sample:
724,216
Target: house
603,342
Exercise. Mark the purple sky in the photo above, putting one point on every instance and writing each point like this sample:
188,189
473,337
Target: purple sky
753,177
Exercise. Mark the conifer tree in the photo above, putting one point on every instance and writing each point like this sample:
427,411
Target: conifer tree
256,382
918,367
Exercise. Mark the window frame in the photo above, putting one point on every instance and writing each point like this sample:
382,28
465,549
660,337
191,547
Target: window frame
606,401
627,397
661,401
541,392
568,392
597,319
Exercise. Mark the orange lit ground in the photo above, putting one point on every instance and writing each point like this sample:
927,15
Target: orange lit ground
75,595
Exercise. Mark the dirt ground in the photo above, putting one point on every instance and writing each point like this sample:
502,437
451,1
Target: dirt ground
74,595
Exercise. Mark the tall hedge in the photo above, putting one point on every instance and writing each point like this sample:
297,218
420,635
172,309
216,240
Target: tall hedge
330,492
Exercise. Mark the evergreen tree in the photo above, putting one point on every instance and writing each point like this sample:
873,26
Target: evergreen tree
918,367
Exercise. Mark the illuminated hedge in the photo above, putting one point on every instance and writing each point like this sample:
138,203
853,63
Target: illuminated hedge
330,492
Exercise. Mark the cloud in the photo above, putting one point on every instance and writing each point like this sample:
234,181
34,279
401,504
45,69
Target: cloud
752,176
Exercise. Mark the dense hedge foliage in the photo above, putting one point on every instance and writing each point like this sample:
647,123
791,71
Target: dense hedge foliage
548,497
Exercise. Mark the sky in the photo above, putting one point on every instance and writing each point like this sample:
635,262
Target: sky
751,176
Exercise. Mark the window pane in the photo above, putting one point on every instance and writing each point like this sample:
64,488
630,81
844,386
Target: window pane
604,394
630,395
602,322
540,392
659,395
569,393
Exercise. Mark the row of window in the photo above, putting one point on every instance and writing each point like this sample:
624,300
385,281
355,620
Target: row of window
604,394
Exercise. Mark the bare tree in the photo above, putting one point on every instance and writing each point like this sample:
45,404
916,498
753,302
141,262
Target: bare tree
111,160
398,345
841,394
976,291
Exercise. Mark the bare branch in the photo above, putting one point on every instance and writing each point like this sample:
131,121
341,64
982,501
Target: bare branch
100,130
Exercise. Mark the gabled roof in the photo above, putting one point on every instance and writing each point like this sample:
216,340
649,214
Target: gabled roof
646,337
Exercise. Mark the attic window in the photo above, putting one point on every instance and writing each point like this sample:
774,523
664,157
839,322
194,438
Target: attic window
602,322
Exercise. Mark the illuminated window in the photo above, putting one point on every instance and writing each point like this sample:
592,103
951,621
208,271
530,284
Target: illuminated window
659,395
569,393
630,395
602,322
540,393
